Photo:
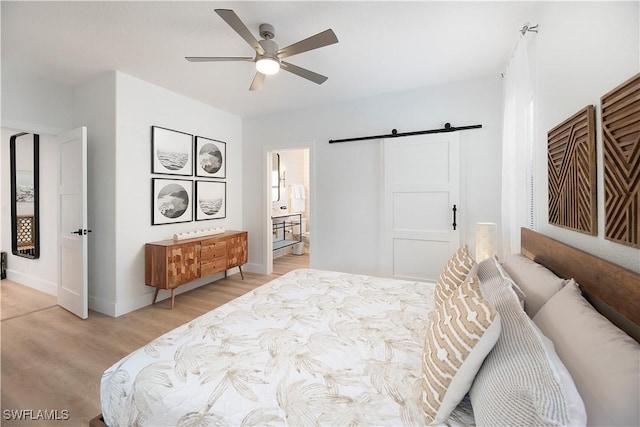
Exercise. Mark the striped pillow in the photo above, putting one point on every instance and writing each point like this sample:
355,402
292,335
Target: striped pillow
463,331
518,383
458,268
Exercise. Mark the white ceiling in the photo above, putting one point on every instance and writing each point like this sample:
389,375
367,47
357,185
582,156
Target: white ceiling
383,46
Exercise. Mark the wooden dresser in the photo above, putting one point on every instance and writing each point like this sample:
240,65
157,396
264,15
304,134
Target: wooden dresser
171,263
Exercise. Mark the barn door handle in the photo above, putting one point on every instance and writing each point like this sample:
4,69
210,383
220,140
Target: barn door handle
454,216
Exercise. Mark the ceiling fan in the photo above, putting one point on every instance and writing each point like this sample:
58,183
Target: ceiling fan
268,58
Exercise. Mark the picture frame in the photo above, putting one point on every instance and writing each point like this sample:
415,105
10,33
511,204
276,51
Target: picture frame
172,201
171,152
621,157
210,158
571,171
211,200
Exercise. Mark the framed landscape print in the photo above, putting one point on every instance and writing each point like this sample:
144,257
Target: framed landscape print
171,152
211,158
172,201
211,200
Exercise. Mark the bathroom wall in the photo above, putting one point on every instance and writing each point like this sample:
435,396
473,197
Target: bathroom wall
296,167
294,163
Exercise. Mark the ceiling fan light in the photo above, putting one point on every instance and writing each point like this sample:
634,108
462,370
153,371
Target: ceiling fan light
267,66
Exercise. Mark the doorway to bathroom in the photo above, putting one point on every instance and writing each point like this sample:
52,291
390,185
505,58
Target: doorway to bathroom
290,213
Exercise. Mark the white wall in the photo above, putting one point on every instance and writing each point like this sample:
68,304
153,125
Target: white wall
296,164
94,106
32,103
584,50
346,178
140,105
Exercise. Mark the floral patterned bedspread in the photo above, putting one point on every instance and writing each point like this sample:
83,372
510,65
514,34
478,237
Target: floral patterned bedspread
309,348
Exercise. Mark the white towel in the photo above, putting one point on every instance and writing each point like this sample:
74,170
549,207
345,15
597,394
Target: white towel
297,198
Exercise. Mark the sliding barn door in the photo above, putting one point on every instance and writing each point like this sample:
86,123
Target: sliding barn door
422,186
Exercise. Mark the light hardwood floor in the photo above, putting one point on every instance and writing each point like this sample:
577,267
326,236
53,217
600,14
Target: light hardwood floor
51,360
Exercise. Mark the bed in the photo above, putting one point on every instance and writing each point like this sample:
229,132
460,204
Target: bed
327,348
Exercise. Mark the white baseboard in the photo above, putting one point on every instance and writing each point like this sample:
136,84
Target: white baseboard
140,301
255,268
102,306
37,283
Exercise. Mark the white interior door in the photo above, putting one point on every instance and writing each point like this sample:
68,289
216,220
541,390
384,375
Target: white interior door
72,225
422,186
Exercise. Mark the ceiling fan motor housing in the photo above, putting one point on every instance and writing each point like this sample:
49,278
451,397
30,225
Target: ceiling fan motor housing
270,49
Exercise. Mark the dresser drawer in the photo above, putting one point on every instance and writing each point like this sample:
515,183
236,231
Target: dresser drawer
213,250
211,267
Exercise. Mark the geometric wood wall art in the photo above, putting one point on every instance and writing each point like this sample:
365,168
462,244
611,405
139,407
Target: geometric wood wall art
621,155
572,173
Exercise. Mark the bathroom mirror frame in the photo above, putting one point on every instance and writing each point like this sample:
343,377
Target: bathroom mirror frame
275,177
32,251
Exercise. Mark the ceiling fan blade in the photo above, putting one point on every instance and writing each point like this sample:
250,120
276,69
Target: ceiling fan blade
234,22
322,39
257,82
217,58
303,72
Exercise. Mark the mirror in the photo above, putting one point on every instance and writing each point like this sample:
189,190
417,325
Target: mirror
25,162
275,177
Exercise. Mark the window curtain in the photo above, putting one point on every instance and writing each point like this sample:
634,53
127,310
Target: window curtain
517,133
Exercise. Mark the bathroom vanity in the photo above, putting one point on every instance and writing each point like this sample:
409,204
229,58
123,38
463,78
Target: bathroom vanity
287,230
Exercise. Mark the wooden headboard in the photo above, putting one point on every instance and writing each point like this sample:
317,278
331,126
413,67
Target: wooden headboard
617,287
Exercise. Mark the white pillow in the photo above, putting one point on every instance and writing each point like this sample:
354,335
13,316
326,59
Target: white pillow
603,361
536,281
463,331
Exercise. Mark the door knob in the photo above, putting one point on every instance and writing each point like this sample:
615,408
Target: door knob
81,232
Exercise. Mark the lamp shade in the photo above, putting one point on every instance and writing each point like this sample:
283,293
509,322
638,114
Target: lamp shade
268,66
486,240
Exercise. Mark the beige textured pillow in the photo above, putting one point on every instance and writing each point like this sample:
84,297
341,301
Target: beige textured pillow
458,268
537,282
603,361
462,333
